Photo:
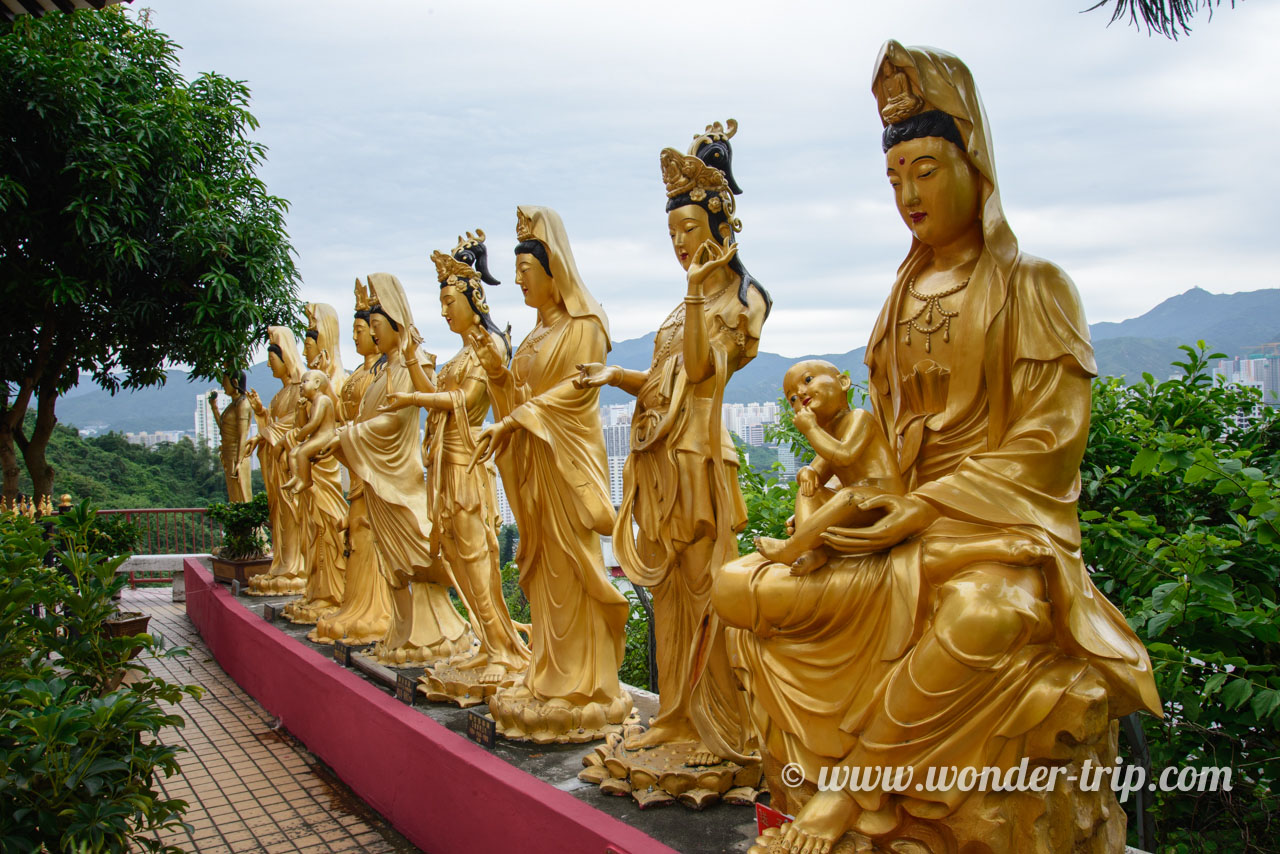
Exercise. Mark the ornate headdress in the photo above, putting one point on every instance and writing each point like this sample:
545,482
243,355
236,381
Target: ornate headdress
362,296
451,271
310,310
524,226
471,250
705,174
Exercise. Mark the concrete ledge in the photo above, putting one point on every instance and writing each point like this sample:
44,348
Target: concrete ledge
441,791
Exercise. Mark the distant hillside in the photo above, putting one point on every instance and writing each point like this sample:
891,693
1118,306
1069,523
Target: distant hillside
1231,323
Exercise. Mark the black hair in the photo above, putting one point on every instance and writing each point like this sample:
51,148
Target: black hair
363,314
242,382
537,250
715,219
314,333
377,309
929,123
477,256
275,348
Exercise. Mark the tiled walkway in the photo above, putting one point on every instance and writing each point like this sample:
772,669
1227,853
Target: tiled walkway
251,787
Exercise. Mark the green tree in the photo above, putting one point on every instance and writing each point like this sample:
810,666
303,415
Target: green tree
1169,18
133,230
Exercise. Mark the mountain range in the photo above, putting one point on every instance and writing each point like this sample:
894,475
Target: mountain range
1235,324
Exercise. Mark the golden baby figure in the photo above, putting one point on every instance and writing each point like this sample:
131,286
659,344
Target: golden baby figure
312,435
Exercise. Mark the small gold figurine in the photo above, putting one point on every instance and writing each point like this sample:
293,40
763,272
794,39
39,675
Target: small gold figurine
233,434
550,450
681,505
959,628
365,614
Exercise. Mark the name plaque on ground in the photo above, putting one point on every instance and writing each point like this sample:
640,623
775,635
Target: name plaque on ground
406,688
342,653
270,612
481,728
235,587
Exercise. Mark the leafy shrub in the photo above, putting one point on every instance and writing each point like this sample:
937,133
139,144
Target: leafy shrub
635,660
243,527
78,751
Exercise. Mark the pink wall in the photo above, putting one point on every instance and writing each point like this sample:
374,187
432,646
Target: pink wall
443,792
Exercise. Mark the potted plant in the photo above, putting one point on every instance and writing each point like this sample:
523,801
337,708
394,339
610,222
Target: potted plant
245,550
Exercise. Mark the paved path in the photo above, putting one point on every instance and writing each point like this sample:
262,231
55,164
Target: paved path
251,787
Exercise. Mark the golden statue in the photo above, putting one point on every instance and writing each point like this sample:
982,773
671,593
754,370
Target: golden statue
382,450
680,484
365,614
960,628
463,499
288,511
319,478
233,434
550,449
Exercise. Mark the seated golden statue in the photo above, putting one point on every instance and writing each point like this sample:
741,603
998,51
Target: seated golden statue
366,608
550,450
463,503
960,628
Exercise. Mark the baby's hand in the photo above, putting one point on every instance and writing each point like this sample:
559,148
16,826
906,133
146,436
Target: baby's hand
805,420
807,479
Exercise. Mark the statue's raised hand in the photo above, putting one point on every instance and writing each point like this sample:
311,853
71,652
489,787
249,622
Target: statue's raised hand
805,420
594,375
906,517
322,361
486,351
256,402
707,259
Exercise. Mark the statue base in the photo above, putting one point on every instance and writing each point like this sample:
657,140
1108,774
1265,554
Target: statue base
522,717
1066,818
662,775
353,629
419,656
307,612
266,584
447,683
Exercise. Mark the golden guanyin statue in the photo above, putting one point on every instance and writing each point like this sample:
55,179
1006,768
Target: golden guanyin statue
233,435
321,486
288,511
381,448
366,608
550,450
681,506
463,499
959,627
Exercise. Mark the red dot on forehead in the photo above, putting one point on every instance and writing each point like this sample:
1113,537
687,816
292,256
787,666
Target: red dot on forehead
901,160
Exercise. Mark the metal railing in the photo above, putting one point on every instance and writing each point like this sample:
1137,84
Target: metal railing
172,530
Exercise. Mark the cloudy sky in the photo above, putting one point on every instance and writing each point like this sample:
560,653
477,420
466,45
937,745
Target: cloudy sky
1142,166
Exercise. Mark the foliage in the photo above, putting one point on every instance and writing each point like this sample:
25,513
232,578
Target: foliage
517,604
133,230
635,660
508,539
114,473
1169,18
78,751
1179,506
243,527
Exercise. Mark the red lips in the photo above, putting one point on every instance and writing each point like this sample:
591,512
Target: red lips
917,216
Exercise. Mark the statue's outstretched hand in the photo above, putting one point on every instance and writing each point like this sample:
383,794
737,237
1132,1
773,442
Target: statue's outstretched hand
906,517
594,375
490,359
708,258
396,400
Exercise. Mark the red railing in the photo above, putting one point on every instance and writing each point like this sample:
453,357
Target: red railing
172,530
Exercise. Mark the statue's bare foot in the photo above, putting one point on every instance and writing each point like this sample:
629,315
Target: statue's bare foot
821,821
775,550
808,562
493,674
700,755
660,734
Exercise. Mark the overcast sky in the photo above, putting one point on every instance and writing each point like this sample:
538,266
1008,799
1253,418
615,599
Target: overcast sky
1142,166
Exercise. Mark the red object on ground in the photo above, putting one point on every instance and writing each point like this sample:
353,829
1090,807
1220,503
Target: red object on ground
767,817
437,788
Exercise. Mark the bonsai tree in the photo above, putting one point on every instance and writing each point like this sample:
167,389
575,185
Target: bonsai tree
244,524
